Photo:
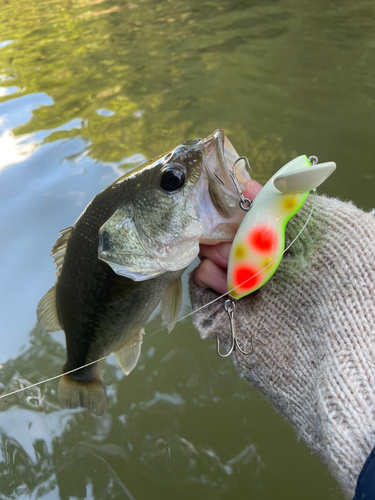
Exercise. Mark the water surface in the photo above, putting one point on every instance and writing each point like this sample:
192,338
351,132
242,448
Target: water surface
88,91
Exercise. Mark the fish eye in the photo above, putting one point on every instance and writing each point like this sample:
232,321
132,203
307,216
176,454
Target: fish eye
172,177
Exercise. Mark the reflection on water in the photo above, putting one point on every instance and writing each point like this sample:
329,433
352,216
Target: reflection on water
44,448
90,89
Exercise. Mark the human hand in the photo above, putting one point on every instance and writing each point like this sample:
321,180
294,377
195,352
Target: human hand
212,271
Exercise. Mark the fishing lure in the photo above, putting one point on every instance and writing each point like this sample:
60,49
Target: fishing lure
259,244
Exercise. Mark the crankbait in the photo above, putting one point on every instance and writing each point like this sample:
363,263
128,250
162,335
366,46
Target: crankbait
259,244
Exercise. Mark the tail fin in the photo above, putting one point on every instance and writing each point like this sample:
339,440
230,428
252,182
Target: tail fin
87,394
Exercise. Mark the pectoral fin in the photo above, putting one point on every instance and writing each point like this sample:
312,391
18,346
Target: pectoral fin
46,311
304,179
128,354
171,304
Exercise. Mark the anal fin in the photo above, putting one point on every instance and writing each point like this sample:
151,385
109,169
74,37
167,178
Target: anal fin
128,354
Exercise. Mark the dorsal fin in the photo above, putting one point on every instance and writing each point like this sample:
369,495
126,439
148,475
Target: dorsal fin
46,311
59,248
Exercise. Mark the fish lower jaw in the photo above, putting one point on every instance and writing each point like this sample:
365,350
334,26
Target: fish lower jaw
223,233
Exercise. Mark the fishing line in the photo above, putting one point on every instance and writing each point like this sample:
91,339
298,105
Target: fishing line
165,327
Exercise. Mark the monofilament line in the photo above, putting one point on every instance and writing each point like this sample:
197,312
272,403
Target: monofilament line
165,327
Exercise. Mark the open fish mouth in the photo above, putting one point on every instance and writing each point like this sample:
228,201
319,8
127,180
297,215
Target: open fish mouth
226,157
219,159
219,198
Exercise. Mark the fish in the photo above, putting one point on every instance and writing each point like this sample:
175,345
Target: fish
127,252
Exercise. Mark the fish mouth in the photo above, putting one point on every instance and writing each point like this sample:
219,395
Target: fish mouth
220,159
226,156
221,206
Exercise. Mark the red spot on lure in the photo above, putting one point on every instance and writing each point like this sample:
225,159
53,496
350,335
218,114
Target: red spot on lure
263,239
246,277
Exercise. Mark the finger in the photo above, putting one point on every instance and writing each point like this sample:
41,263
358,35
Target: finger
219,254
210,275
252,188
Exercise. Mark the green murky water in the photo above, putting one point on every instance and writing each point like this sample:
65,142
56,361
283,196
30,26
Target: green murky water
90,89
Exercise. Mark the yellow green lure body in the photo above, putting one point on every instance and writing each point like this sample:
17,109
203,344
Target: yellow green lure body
260,240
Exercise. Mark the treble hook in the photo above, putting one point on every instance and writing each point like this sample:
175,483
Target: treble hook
245,203
229,307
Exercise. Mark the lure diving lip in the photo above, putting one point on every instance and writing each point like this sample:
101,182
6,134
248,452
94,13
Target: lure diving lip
301,179
260,240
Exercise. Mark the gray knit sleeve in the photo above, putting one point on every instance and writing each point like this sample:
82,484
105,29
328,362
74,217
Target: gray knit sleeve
313,326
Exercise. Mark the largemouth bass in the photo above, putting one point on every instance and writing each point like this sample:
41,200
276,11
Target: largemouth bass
128,250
